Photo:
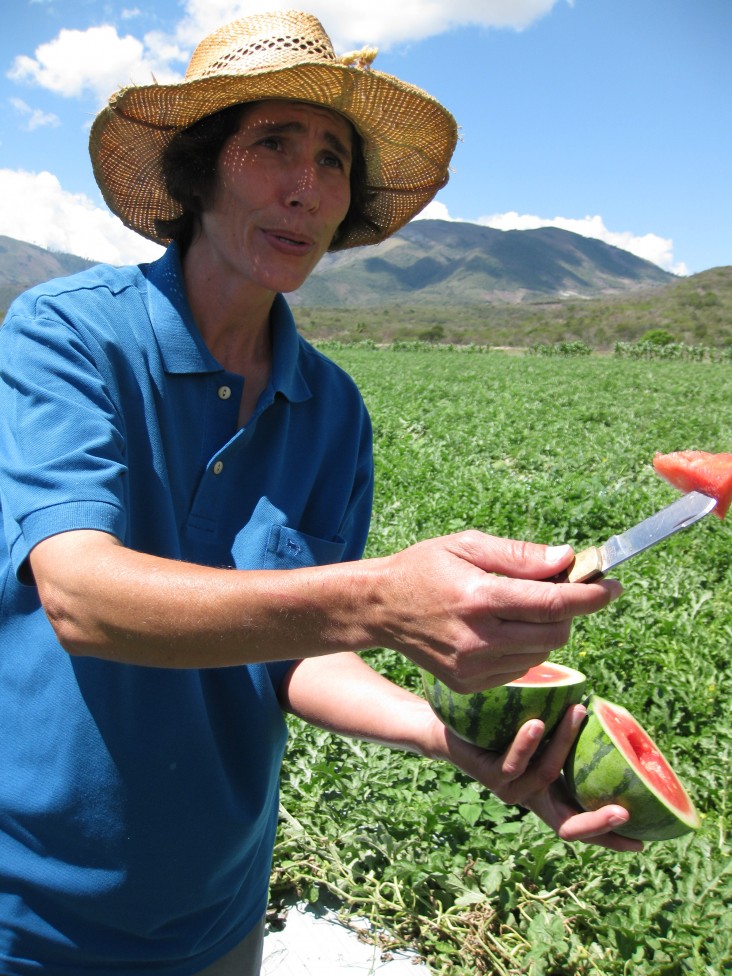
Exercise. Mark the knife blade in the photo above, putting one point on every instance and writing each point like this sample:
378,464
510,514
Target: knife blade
595,562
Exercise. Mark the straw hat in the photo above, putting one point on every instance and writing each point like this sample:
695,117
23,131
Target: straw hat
408,136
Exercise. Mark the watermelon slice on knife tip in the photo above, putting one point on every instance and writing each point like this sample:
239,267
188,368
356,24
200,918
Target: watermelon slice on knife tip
701,471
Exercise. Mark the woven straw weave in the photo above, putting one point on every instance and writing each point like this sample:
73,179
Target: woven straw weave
408,136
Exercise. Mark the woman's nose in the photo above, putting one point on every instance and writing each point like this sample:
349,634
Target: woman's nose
303,191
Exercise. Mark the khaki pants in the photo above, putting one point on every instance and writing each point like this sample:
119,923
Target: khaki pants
244,960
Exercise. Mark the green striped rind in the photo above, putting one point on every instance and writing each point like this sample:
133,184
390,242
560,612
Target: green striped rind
491,718
597,773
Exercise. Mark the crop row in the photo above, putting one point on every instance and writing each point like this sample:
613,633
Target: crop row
550,449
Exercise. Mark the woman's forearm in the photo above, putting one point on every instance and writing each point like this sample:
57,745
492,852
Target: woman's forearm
106,601
471,608
343,694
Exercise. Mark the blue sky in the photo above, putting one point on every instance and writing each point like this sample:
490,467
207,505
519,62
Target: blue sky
607,117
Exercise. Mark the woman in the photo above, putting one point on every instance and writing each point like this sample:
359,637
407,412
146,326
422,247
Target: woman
170,446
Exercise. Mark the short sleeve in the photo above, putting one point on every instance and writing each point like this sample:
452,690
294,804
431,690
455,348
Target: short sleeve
62,441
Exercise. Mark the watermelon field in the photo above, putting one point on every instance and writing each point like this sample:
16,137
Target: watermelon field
553,449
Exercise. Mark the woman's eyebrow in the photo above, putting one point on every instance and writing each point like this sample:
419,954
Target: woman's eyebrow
276,128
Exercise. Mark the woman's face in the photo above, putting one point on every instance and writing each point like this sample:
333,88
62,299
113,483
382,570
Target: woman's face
282,190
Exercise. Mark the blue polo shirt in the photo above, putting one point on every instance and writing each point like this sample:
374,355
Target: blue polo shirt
138,806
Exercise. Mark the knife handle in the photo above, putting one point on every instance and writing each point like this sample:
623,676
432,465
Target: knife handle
587,566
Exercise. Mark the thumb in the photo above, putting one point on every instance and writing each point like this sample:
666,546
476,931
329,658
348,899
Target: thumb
558,557
515,558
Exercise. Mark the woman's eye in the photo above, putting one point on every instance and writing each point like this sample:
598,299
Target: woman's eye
335,161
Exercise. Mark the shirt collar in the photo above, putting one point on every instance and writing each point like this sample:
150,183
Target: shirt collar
181,346
287,376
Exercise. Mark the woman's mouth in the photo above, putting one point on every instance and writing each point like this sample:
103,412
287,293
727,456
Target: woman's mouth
290,242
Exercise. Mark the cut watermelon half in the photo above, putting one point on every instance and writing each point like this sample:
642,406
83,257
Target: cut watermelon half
701,471
491,718
614,760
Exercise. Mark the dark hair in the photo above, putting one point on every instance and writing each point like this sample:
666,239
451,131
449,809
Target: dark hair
189,171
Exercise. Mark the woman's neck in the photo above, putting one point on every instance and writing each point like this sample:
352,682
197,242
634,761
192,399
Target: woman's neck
233,318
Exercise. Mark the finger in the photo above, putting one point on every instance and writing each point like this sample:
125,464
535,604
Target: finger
485,669
481,670
538,776
597,827
559,745
558,809
537,602
497,772
518,638
502,655
512,557
518,755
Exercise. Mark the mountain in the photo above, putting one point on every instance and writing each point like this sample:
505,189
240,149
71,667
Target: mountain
23,265
437,262
464,283
428,262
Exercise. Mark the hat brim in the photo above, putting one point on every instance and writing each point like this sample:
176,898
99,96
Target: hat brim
408,138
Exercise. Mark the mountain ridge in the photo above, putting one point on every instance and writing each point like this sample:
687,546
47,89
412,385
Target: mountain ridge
696,309
436,262
428,262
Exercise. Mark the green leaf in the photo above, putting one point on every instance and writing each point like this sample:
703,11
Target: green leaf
529,449
470,812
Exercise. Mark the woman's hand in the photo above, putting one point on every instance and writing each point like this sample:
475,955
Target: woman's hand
472,608
343,694
522,777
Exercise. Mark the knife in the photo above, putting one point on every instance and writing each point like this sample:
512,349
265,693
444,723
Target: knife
595,562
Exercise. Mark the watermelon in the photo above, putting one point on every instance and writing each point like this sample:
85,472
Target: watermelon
614,760
701,471
491,718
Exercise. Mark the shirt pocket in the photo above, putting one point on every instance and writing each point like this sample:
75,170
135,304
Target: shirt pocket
289,549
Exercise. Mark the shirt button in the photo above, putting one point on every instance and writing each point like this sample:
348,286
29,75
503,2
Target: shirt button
224,392
218,467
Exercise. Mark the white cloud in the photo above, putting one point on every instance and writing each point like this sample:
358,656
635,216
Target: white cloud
99,60
39,210
34,117
651,247
436,211
36,209
381,22
96,61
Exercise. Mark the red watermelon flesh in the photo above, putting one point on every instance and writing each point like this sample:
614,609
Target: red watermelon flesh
542,674
643,755
614,760
701,471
